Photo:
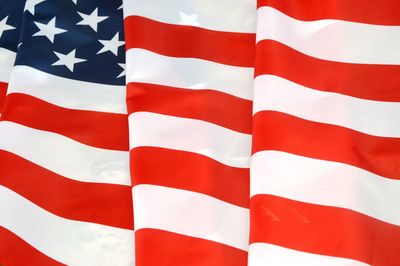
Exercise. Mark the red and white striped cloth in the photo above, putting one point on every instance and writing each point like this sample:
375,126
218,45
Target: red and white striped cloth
325,164
7,59
259,134
189,92
65,188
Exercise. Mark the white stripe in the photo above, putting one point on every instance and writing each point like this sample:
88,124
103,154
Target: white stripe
67,241
370,117
191,73
7,59
192,214
222,15
65,156
325,183
191,135
68,93
331,39
262,254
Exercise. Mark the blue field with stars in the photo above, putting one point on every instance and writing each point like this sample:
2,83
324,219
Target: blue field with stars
76,39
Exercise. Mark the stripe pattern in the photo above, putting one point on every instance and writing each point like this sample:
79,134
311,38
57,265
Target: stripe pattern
9,38
65,187
189,98
325,161
237,142
7,58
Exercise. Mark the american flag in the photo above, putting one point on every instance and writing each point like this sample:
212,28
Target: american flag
65,188
244,133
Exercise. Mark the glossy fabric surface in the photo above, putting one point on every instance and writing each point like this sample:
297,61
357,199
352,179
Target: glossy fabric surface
200,132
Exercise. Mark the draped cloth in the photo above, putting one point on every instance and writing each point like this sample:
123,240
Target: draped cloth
200,132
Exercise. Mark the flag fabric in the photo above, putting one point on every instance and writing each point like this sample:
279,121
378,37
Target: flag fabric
10,25
189,75
325,157
242,132
65,194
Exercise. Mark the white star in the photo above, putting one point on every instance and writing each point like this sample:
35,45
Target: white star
120,7
111,45
4,26
30,5
68,60
48,30
123,71
91,20
186,19
74,1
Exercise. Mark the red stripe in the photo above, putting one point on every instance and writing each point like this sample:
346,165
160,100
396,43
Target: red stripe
365,11
98,129
189,41
374,82
324,230
279,131
15,251
107,204
190,171
208,105
161,248
3,92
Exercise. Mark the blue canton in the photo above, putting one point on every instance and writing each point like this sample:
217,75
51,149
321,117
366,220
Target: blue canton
10,23
76,39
